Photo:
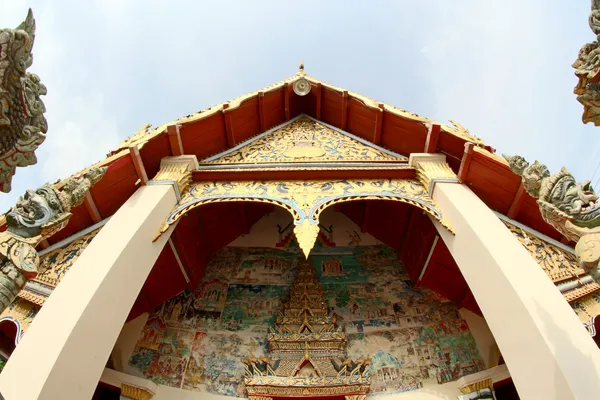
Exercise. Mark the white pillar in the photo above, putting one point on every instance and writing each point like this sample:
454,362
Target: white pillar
547,350
65,350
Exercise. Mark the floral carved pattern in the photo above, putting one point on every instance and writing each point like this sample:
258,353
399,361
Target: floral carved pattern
305,140
305,200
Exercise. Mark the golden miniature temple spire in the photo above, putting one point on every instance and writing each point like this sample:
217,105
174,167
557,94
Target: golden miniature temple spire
308,349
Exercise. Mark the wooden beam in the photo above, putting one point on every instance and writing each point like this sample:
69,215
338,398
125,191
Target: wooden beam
433,137
465,163
517,202
363,227
243,219
286,94
175,140
318,91
261,111
344,110
378,124
138,164
436,238
88,202
228,129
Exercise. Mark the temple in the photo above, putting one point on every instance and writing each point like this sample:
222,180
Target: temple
300,241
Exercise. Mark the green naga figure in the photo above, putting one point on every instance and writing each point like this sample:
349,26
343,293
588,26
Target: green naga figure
22,121
569,206
36,216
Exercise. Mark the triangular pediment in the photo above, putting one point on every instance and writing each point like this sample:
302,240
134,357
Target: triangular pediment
305,140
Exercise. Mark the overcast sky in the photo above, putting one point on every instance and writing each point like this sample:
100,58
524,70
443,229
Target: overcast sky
500,68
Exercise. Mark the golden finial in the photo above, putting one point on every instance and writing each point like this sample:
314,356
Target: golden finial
301,68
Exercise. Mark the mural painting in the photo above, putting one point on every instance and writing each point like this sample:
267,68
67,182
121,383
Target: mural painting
197,340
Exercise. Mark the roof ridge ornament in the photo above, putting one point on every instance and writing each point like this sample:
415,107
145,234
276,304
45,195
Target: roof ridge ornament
301,85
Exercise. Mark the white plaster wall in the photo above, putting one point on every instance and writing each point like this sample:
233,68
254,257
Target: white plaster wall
486,344
264,233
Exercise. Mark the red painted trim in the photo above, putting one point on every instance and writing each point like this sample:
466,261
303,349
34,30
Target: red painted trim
517,202
175,140
138,164
228,130
378,124
88,202
243,219
363,227
318,92
286,95
433,137
344,110
261,111
465,163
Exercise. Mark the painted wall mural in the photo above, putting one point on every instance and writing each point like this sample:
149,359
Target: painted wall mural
197,340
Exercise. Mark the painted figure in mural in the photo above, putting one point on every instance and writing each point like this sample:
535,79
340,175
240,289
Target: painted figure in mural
37,215
587,67
22,122
569,206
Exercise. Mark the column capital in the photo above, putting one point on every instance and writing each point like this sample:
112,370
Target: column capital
431,169
135,392
176,171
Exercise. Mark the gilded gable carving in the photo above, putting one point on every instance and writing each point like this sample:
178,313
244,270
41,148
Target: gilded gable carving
305,140
557,263
56,264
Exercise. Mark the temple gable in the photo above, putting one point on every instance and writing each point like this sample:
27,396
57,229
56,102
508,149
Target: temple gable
304,139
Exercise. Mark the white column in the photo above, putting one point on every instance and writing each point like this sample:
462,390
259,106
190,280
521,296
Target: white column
65,350
547,350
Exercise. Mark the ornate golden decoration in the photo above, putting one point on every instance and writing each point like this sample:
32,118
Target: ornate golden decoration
581,291
356,397
21,311
557,263
304,139
587,307
476,386
31,297
135,393
305,200
181,174
308,349
432,168
259,398
55,264
138,137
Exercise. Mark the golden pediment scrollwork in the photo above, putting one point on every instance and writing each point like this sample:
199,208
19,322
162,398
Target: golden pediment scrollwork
305,200
304,140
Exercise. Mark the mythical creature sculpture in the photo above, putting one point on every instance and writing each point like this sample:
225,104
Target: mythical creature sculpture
22,122
569,206
587,69
36,216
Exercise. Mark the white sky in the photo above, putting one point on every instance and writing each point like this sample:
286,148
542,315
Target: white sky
501,69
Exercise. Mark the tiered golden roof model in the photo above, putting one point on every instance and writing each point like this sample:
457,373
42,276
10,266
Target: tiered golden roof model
308,350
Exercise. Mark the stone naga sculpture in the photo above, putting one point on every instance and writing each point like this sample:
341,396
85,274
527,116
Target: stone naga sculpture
587,68
569,206
22,122
36,216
